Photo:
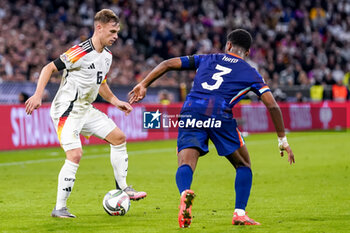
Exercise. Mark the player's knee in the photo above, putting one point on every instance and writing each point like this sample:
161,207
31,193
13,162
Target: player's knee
240,162
188,156
243,164
118,139
74,155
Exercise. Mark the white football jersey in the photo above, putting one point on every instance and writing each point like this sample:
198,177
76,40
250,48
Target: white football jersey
85,70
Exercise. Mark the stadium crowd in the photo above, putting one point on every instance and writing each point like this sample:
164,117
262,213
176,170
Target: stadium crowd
300,43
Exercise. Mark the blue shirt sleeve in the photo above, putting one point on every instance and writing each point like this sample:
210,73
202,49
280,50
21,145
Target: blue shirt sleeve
191,62
259,86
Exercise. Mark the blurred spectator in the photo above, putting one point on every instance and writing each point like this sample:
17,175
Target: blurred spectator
302,79
165,97
316,92
346,80
299,97
287,76
339,92
338,74
22,97
279,95
328,79
318,16
46,96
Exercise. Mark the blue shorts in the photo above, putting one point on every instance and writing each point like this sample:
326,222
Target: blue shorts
227,138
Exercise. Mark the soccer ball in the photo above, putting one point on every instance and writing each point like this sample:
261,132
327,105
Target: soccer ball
116,202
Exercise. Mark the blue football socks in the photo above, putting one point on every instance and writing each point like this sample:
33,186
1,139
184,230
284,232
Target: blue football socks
184,176
243,185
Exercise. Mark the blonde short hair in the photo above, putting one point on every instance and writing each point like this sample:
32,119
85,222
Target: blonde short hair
105,16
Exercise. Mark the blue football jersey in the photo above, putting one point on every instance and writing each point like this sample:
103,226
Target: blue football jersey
221,81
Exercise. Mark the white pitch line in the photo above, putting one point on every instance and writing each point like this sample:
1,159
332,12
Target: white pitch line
149,151
92,156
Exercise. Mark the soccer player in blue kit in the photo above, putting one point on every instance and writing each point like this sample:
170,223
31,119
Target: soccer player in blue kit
221,81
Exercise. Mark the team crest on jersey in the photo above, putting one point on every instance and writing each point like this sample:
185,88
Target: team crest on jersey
107,62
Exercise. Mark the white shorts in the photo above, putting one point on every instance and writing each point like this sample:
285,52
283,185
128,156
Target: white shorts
94,122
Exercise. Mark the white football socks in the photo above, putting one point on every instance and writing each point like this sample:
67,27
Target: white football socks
119,161
66,180
240,212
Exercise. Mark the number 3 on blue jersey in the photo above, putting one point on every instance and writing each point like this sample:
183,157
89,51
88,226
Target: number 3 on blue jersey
218,77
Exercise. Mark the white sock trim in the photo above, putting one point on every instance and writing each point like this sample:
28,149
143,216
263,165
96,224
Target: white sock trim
119,161
119,147
71,163
66,179
240,212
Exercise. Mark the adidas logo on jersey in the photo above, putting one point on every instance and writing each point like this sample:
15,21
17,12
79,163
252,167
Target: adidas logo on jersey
92,66
69,189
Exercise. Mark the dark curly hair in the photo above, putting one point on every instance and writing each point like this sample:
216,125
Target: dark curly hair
241,38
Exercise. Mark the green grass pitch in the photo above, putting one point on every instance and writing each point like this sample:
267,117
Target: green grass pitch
311,196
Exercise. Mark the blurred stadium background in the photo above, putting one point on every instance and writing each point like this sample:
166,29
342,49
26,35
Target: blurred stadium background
301,48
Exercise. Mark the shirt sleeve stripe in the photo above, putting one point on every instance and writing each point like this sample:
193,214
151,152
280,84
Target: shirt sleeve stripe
74,54
264,89
242,92
72,50
77,57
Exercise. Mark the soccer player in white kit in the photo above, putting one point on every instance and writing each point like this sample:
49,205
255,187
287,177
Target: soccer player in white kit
85,71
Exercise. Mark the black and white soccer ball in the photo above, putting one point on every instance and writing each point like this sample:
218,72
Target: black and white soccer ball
116,202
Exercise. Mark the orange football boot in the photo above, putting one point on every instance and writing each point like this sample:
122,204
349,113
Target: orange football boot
243,220
185,217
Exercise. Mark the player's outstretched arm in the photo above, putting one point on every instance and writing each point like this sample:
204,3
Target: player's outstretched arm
276,116
139,91
108,95
34,101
